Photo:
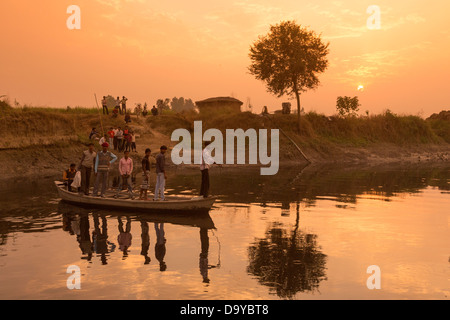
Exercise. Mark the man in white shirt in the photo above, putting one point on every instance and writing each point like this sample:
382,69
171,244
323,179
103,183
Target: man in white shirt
207,160
103,139
118,102
119,135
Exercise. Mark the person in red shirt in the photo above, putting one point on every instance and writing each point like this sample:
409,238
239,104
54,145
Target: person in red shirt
111,136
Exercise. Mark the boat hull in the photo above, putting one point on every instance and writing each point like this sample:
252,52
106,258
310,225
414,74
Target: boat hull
174,204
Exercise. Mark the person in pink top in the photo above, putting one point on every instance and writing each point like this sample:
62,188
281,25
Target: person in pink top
125,169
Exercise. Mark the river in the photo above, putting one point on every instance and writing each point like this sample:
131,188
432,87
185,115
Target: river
306,233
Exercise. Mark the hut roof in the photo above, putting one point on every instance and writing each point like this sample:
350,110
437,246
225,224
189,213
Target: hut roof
220,99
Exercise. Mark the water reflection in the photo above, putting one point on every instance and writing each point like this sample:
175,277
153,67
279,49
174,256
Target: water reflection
145,241
287,262
398,215
160,246
76,221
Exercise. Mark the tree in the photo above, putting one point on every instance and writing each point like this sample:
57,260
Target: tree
181,104
163,105
347,106
289,59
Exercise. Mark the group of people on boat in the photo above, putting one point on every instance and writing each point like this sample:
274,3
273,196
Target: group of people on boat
99,163
78,178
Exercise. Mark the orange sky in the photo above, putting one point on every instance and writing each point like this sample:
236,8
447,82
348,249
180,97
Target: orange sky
146,49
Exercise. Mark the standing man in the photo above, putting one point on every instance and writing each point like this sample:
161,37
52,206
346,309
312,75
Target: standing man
118,101
105,106
160,174
86,164
125,169
207,160
103,161
111,136
146,175
124,105
119,136
133,141
115,130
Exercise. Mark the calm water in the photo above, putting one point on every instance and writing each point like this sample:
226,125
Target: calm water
303,234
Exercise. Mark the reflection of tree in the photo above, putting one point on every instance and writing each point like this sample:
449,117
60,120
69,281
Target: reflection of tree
287,263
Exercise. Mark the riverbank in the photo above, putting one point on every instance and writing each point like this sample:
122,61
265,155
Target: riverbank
43,141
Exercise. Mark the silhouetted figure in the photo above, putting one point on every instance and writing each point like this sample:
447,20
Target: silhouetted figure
154,111
203,263
265,111
85,237
124,237
160,247
105,106
100,238
145,236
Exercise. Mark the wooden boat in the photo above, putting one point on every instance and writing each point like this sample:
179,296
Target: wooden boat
172,203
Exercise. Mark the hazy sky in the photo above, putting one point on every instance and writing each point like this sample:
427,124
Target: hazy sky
146,49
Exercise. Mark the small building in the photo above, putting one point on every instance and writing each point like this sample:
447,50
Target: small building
223,103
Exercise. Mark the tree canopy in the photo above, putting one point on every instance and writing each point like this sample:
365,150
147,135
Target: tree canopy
347,106
289,59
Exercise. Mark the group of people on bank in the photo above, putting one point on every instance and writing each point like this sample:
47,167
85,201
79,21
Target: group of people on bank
121,105
121,108
122,140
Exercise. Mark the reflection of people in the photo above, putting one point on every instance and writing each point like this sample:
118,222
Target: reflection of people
100,237
203,263
160,246
124,237
85,237
145,236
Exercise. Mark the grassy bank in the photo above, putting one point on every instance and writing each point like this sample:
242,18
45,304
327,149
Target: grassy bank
321,137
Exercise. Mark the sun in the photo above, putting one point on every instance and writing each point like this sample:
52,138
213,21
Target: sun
360,87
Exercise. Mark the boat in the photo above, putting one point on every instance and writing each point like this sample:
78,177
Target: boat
123,202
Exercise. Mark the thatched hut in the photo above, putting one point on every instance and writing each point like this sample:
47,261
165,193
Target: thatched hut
219,103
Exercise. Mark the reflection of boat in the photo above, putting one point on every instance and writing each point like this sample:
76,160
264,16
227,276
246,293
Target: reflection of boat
200,219
172,203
